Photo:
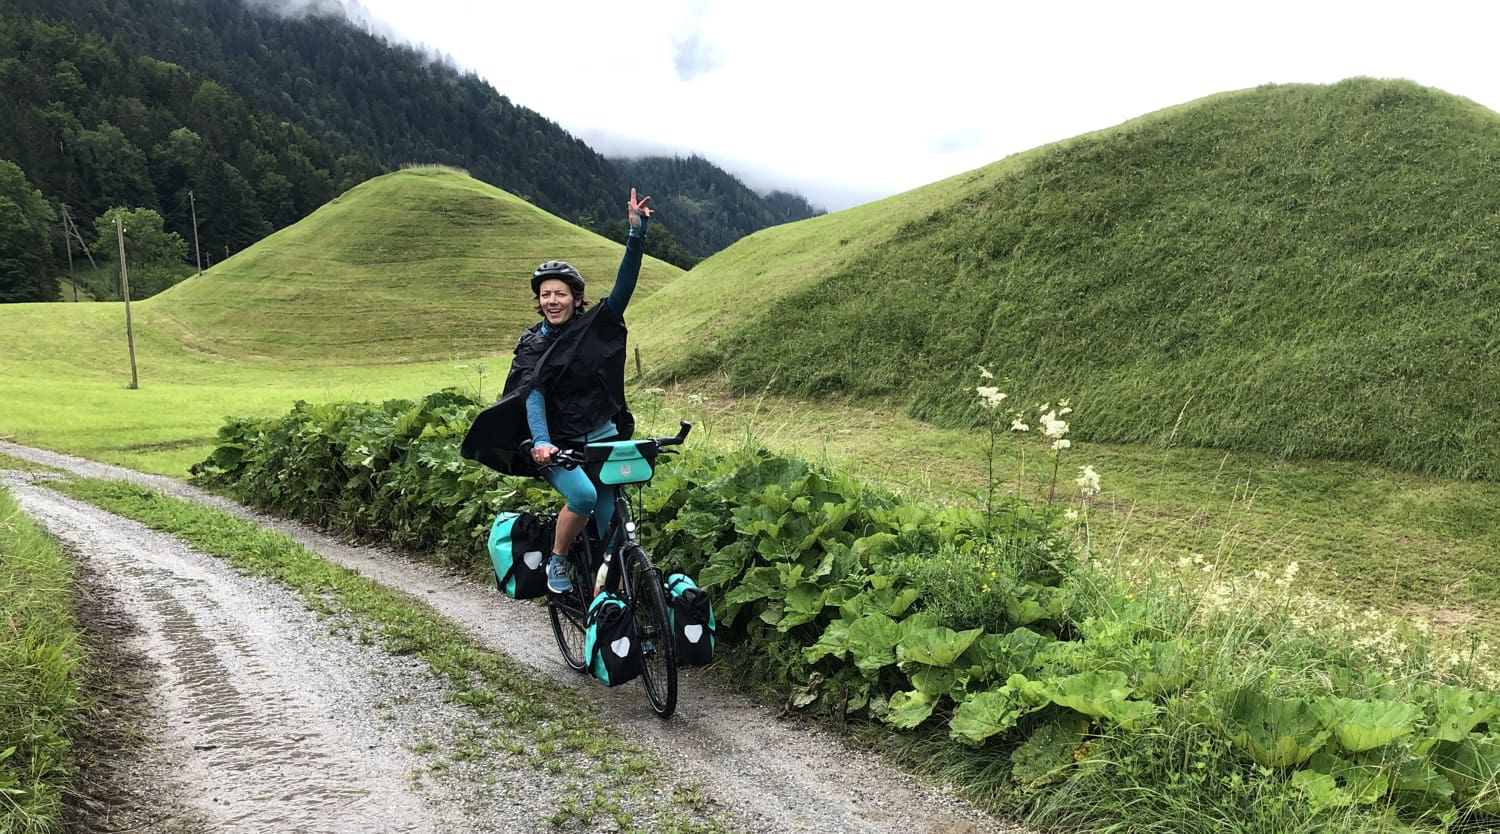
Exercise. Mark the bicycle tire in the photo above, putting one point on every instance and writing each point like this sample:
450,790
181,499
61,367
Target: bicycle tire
648,603
568,612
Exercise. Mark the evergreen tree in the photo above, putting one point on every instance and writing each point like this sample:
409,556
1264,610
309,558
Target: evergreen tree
25,239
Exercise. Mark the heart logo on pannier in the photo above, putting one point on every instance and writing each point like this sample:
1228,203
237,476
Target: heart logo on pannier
693,633
533,559
620,647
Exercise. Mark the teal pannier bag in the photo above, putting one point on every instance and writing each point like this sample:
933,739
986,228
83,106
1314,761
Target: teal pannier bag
610,643
620,462
519,546
692,616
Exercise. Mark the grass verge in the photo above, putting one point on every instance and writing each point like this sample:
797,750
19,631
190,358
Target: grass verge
40,668
523,715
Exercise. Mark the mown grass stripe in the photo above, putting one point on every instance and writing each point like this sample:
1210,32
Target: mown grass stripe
539,716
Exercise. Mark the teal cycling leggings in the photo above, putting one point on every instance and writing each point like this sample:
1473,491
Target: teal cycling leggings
583,495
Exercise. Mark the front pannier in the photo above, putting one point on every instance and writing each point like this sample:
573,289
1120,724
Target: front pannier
610,642
692,615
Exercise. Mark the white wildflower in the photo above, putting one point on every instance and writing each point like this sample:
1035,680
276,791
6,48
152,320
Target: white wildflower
1288,576
1052,426
991,395
1018,425
1059,445
1070,514
1088,481
984,373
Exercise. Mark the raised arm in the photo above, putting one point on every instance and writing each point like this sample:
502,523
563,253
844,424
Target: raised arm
639,215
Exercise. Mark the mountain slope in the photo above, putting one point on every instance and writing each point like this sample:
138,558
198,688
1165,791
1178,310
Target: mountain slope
263,117
711,207
421,264
1302,270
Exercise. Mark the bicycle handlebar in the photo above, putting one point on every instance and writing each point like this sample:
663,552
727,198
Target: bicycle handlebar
573,458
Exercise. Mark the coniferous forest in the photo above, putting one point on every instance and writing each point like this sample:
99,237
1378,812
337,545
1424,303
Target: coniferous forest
247,121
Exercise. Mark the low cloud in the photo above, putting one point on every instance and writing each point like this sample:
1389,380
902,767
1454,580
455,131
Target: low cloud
693,56
957,142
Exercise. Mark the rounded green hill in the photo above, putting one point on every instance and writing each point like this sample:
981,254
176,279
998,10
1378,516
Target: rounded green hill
421,264
1309,271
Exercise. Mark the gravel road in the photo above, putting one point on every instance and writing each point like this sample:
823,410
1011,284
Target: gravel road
259,719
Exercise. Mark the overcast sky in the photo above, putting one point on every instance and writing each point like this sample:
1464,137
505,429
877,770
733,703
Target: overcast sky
846,101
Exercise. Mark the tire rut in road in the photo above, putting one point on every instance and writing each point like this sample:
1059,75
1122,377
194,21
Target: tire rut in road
773,775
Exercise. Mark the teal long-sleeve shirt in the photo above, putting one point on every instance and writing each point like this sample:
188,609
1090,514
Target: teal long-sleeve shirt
614,306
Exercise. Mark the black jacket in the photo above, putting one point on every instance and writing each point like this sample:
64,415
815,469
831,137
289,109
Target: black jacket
581,373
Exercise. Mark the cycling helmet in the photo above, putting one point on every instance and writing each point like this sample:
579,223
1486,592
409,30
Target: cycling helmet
561,270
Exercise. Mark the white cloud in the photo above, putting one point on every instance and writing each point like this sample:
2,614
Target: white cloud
844,101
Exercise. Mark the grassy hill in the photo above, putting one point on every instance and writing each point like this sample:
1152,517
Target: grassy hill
412,282
418,265
1305,271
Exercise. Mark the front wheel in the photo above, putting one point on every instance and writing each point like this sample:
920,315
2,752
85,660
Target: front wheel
568,612
648,603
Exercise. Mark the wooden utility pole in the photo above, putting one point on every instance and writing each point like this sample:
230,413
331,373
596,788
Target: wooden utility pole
125,292
198,253
68,242
73,227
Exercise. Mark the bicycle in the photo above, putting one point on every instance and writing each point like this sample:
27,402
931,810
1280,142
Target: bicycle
634,576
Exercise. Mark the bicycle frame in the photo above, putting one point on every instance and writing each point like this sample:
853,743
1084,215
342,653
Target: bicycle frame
633,575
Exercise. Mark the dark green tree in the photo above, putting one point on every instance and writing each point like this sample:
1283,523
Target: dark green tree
154,255
25,240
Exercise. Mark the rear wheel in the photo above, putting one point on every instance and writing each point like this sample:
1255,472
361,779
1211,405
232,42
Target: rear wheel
568,612
648,604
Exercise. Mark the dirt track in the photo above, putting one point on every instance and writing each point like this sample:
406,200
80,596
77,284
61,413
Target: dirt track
260,720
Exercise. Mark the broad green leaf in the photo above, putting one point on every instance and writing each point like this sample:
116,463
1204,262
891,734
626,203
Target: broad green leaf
1023,612
908,709
723,567
935,682
1099,695
1002,655
872,641
1365,725
1472,766
834,643
1168,671
994,711
1049,752
802,606
1359,783
1275,732
901,601
758,583
936,646
1419,776
1460,710
1321,790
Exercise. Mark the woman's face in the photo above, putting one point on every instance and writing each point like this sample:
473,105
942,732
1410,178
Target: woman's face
557,301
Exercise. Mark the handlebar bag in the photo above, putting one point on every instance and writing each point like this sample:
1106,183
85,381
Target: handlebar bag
610,641
519,545
620,461
692,615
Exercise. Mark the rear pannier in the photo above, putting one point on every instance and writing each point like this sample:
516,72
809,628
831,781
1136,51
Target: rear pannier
519,546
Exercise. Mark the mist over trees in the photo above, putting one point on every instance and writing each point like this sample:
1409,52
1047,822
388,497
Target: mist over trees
709,207
250,120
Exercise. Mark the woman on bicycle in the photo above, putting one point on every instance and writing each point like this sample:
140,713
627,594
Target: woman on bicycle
569,370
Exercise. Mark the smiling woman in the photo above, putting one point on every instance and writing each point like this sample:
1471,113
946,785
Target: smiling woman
567,380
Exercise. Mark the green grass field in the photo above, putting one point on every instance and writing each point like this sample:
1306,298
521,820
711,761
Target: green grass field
415,282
